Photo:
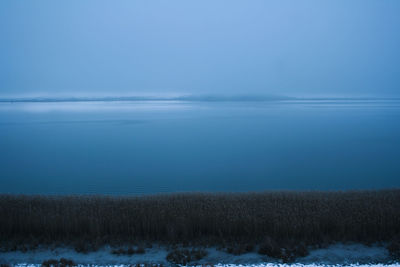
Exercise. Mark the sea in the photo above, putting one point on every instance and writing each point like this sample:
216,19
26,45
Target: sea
139,147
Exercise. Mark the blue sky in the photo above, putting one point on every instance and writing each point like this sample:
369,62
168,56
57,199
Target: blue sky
296,48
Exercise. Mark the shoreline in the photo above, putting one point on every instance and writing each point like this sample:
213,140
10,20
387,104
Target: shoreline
337,254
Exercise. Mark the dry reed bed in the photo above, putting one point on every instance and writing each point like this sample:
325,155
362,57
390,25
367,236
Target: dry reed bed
208,218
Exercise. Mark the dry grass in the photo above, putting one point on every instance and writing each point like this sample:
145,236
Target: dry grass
185,256
241,218
58,263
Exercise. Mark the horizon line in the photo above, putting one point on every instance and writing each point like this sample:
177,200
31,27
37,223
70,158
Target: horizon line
189,98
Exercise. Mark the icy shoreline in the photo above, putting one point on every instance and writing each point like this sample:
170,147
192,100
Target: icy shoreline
241,265
335,255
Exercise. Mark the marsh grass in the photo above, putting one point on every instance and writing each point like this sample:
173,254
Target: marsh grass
185,256
129,251
276,221
58,263
394,248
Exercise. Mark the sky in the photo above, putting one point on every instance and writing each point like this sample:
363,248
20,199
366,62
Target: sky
180,47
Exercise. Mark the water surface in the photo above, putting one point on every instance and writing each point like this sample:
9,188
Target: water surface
138,147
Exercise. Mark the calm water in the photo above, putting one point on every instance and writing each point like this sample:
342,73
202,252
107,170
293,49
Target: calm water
150,147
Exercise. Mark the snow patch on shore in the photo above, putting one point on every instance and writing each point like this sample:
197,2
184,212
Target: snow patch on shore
336,255
307,265
247,265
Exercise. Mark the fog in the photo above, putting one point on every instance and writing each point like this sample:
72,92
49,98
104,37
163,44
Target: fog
285,48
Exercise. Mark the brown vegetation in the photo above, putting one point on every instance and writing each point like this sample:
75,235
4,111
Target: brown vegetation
287,251
129,251
280,222
394,248
185,256
58,263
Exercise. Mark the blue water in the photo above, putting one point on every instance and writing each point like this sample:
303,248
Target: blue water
169,146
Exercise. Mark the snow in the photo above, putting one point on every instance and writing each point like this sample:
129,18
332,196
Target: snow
336,255
306,265
348,254
247,265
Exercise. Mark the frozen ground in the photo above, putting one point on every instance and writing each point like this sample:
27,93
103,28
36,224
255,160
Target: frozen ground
246,265
340,254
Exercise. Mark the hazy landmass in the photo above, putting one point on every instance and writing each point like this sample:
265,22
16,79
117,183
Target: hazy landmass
199,98
208,98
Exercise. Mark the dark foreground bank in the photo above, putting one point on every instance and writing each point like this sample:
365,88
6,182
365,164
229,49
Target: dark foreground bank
277,224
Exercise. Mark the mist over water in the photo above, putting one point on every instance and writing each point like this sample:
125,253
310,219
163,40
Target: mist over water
140,147
135,97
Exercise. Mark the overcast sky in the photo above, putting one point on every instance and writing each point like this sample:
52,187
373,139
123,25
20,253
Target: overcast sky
296,48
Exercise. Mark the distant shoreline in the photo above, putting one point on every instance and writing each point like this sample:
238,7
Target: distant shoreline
249,98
